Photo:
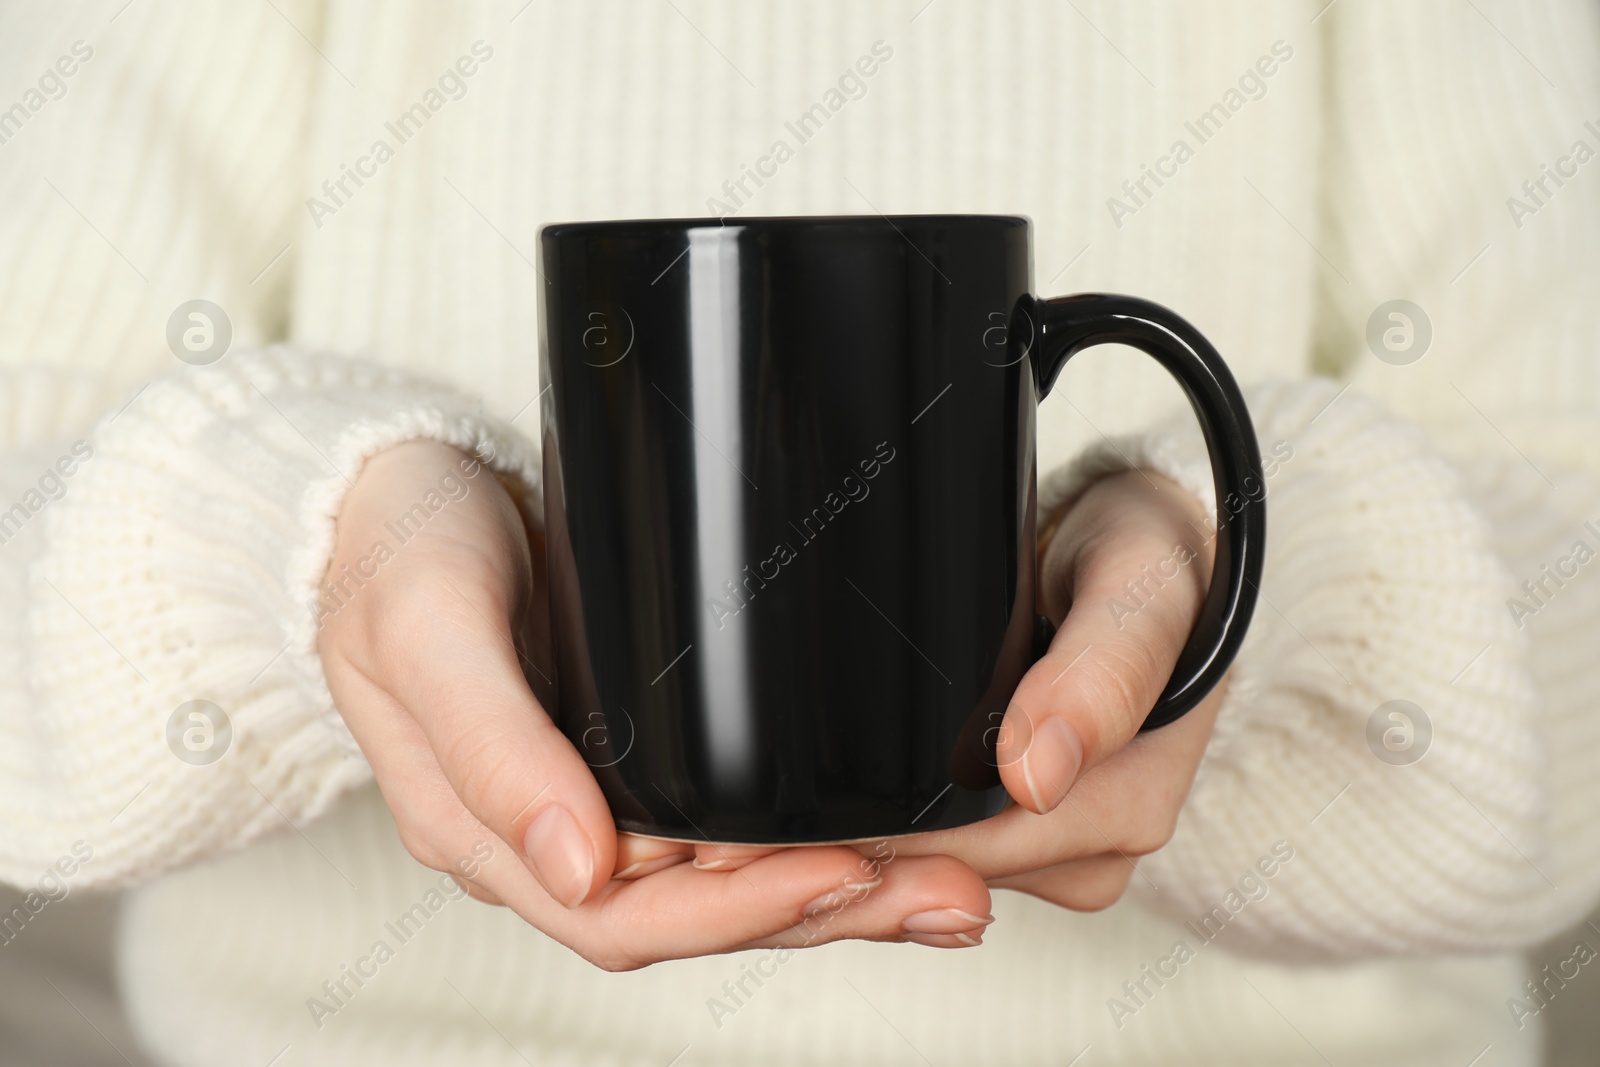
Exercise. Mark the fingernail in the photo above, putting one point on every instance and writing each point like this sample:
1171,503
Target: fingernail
731,857
962,940
1051,763
561,854
644,867
835,899
944,921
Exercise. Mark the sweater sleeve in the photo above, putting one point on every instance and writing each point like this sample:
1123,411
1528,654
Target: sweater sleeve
1414,711
1437,824
173,555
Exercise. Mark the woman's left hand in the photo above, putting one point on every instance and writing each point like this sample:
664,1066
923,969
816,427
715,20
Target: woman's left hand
1092,793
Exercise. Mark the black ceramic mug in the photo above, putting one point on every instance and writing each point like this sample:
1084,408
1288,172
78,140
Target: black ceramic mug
790,511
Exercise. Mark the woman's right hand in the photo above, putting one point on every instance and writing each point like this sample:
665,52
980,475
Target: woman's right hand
429,608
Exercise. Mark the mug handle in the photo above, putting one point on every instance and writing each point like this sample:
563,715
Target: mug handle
1057,329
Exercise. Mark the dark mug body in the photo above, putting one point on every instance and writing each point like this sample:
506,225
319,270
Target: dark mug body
790,508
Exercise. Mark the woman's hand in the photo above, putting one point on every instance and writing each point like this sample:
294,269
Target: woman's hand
429,611
1092,794
1123,577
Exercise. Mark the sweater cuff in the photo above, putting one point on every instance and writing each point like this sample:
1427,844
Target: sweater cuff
1380,586
194,547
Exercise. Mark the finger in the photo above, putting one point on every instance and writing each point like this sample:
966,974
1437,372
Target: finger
929,900
638,856
683,911
713,857
432,823
1092,884
1105,668
1127,805
475,891
512,768
673,913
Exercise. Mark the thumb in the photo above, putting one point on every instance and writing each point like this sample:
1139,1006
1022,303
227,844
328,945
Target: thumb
509,764
1135,595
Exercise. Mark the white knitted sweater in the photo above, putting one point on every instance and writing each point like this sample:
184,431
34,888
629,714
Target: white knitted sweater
1276,173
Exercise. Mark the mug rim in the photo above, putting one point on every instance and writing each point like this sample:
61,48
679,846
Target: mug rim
620,227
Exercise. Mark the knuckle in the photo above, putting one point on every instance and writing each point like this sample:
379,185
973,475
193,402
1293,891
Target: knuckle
483,767
613,959
612,966
476,891
619,964
1151,835
1100,557
1131,818
616,944
422,850
1149,821
1120,679
1103,891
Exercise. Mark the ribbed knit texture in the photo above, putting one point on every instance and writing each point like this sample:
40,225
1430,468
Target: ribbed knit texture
184,561
1408,504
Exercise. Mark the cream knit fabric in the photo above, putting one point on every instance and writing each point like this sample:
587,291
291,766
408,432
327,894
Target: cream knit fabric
202,151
